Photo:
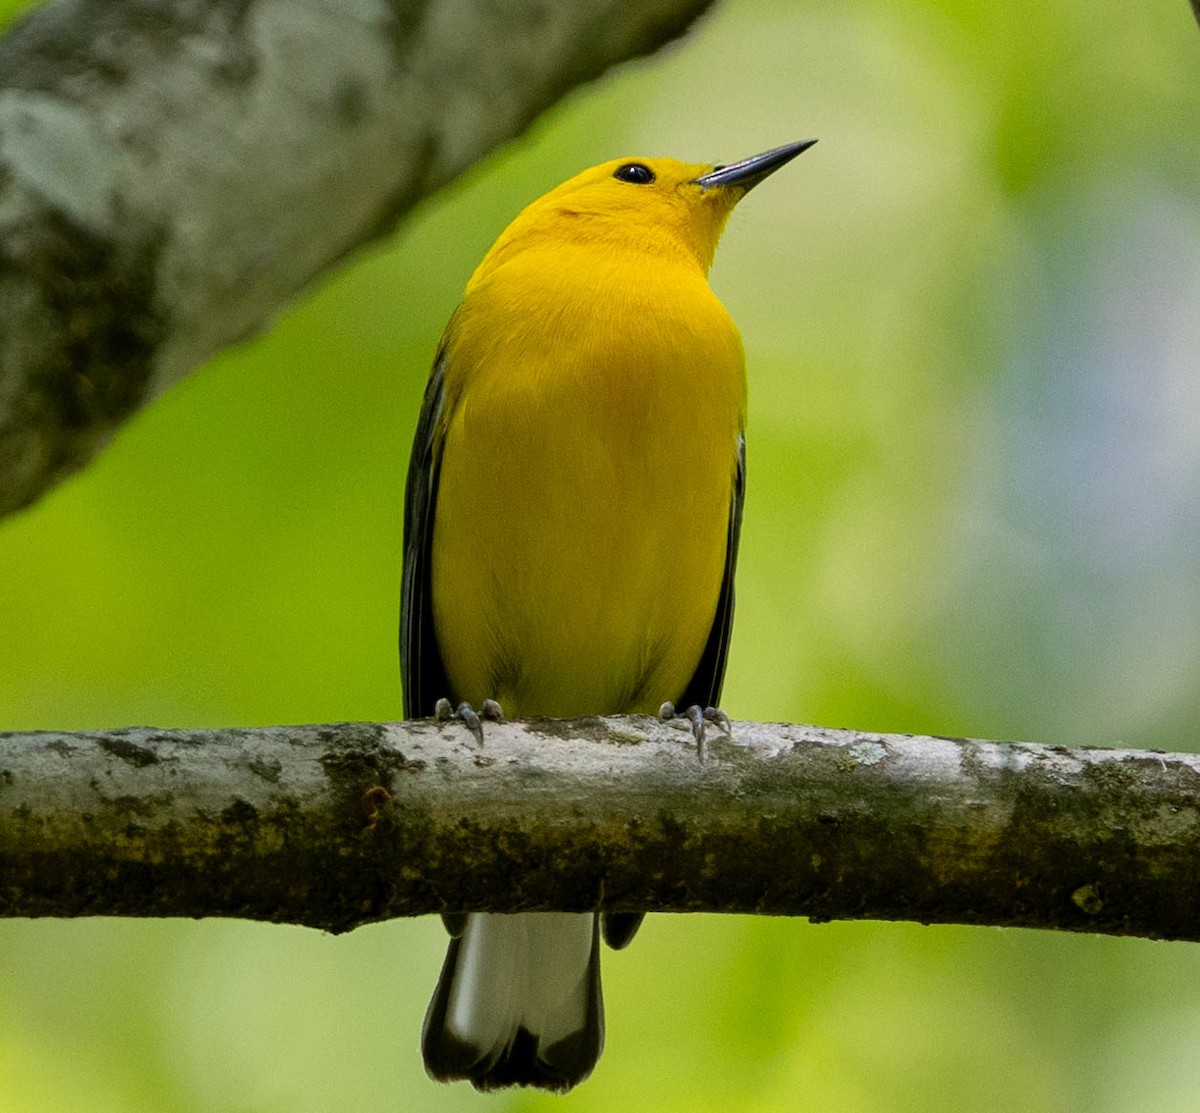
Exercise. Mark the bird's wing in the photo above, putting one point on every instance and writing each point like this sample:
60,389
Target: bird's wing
422,673
704,688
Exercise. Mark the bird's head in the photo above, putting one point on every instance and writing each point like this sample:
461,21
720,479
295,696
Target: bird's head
659,205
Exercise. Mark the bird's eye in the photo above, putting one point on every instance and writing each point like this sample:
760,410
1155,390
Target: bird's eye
634,172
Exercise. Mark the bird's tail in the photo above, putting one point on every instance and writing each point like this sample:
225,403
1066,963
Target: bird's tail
518,1002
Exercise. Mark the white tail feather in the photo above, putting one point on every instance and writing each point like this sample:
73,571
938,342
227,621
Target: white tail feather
521,971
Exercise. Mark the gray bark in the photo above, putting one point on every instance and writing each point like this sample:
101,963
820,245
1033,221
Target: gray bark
172,172
338,825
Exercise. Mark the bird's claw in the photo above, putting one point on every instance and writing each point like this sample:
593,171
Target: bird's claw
697,716
490,710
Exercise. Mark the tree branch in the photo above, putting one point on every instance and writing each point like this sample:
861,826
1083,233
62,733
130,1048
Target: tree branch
172,172
335,826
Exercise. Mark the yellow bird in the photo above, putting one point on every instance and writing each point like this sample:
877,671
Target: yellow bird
571,526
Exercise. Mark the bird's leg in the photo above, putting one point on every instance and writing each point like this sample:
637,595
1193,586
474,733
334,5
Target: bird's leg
444,710
698,716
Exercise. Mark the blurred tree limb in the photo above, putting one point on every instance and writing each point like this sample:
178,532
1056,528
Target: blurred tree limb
172,172
333,826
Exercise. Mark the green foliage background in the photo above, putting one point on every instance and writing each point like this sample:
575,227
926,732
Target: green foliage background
971,319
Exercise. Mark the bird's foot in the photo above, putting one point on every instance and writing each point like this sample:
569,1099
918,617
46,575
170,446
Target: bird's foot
697,716
444,710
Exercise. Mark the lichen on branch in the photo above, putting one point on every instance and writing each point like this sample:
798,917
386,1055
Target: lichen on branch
337,825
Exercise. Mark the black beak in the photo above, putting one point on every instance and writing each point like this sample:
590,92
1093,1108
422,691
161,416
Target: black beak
750,171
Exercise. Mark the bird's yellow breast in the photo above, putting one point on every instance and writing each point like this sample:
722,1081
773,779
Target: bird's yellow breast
593,404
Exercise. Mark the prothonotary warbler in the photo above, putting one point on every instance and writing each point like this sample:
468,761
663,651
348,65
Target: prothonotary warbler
571,527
